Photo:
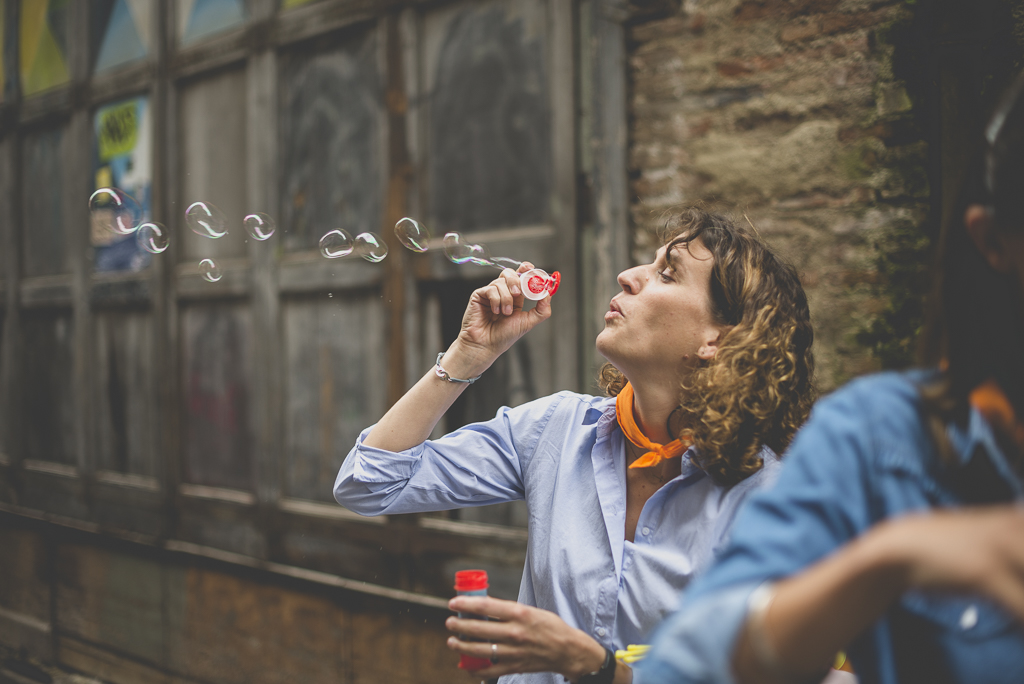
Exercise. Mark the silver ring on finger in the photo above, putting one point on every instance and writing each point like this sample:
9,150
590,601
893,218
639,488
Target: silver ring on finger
494,654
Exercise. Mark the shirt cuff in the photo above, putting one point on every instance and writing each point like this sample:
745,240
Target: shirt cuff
380,466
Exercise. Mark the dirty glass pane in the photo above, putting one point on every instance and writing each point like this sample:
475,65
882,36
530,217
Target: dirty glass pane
47,405
126,35
488,116
42,220
44,43
331,142
335,369
213,131
215,392
199,19
124,392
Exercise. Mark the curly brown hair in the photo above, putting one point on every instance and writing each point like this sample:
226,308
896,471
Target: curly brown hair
758,390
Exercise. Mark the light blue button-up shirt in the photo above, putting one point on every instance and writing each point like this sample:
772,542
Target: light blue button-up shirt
864,456
565,455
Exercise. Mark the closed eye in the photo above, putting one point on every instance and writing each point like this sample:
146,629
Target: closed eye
665,277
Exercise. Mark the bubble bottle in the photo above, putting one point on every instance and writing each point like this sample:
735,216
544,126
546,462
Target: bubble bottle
535,283
471,583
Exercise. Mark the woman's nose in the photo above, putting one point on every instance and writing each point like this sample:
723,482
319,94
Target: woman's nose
630,280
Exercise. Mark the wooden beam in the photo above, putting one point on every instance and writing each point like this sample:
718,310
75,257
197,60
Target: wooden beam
400,172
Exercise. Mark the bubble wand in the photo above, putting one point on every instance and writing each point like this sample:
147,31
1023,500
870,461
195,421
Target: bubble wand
536,283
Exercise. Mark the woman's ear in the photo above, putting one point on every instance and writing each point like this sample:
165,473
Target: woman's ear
709,349
982,230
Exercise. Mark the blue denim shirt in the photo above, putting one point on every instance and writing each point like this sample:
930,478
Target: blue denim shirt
865,455
564,454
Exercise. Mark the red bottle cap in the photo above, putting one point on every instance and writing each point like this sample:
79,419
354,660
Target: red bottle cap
470,580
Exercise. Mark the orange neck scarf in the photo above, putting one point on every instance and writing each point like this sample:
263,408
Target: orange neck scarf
655,452
992,404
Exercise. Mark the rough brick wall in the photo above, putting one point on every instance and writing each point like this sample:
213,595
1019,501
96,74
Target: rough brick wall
783,110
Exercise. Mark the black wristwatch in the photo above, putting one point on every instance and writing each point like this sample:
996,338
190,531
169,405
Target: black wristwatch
603,675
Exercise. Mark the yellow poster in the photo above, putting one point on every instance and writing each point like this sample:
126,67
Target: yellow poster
117,130
42,56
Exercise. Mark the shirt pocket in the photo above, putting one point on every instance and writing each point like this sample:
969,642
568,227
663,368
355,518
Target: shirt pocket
963,618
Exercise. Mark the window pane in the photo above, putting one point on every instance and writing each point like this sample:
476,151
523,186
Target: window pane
336,380
489,125
122,158
127,35
216,365
42,216
198,19
331,143
47,404
213,161
124,393
43,39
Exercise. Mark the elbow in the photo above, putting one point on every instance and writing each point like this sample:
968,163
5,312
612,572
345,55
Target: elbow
358,498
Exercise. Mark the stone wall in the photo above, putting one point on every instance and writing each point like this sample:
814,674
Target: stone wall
786,111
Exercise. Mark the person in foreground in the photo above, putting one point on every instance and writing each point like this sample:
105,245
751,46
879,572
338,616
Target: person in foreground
710,346
895,529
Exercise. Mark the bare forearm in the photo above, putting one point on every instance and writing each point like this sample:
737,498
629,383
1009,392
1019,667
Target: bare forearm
819,612
413,417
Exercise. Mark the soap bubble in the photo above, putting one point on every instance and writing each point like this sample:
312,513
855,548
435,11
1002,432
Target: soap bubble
371,247
336,243
459,251
115,211
260,226
210,271
412,234
153,237
206,220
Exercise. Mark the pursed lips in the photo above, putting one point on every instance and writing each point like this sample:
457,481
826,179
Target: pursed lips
613,309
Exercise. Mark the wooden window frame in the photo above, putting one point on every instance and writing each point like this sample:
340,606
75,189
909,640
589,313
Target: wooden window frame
163,287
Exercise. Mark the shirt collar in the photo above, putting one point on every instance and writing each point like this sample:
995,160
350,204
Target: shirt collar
979,433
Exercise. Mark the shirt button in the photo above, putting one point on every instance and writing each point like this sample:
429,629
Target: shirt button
970,617
646,531
601,631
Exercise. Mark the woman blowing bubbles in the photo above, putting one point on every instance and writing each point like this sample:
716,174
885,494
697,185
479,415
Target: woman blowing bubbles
709,345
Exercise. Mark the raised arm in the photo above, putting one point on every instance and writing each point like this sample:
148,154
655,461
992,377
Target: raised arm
807,618
493,321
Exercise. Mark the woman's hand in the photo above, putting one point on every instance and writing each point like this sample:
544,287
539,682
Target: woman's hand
494,320
528,639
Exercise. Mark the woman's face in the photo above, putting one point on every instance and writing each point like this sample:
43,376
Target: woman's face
1003,249
661,321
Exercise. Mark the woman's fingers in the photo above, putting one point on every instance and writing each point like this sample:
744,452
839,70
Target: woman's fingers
511,279
509,657
499,295
485,630
486,605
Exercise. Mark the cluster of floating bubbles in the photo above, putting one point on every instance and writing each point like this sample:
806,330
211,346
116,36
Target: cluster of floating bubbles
338,243
115,211
536,283
207,220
